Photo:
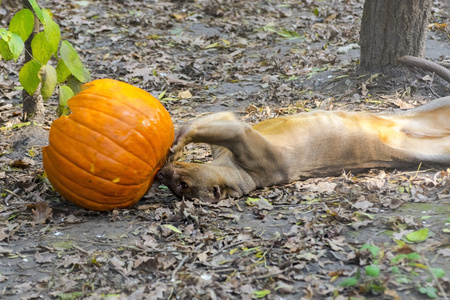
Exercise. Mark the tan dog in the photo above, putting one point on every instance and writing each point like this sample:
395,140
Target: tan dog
313,144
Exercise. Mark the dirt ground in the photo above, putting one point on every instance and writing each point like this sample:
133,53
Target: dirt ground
383,234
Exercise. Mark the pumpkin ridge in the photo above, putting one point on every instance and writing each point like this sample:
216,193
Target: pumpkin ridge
92,174
118,120
154,151
100,201
127,103
89,146
144,130
92,201
100,134
86,99
154,104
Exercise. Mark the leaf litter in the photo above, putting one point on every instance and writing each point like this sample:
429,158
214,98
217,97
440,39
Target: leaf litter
306,240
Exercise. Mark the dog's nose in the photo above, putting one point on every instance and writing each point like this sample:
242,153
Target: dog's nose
164,175
160,175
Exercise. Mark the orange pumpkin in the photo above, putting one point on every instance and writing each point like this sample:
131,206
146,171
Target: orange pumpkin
105,154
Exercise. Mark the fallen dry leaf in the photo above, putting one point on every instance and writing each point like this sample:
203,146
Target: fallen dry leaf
41,213
41,259
22,163
3,234
185,94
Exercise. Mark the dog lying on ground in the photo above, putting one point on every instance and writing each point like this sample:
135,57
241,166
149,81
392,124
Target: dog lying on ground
314,144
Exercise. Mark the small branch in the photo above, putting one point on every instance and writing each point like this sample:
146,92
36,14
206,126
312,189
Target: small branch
441,288
431,86
10,195
174,273
32,104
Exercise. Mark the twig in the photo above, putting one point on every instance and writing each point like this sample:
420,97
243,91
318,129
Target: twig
431,85
174,273
91,242
227,247
11,194
441,289
159,251
418,169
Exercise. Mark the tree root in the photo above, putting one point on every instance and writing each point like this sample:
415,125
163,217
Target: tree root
427,65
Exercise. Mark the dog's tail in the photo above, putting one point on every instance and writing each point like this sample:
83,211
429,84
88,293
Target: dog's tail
424,132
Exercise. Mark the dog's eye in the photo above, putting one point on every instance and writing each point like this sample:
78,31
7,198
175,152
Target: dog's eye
183,185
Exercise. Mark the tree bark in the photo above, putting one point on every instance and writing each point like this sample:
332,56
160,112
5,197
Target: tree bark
33,105
391,29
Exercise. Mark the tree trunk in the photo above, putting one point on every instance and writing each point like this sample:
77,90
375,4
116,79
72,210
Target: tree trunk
391,29
33,105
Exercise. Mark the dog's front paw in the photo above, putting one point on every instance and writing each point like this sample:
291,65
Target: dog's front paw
182,138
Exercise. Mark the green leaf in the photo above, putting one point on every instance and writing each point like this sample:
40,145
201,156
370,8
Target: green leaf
5,34
373,270
37,10
47,75
316,11
438,272
418,236
74,84
271,27
73,62
251,201
62,71
261,294
376,289
177,31
4,50
52,32
288,34
173,228
398,258
22,24
430,291
16,46
160,96
413,256
64,245
70,296
400,243
163,187
403,279
349,282
28,76
65,93
213,45
40,48
374,250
